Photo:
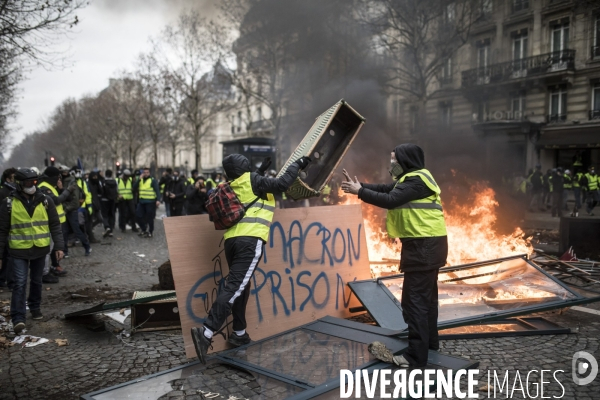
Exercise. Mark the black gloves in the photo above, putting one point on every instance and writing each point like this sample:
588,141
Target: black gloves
266,163
303,162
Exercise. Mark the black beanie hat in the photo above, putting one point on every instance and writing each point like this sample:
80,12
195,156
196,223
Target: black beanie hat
52,172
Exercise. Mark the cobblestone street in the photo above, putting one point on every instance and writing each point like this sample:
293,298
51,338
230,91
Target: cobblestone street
95,360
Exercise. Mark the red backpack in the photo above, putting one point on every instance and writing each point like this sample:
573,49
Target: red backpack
224,208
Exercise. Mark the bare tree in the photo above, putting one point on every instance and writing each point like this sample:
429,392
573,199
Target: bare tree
188,50
417,38
28,29
153,92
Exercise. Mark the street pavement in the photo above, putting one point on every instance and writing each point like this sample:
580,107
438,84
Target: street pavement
95,360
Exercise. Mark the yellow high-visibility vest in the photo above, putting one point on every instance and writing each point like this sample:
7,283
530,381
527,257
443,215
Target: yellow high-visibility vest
59,207
25,231
125,189
418,218
88,195
146,190
257,220
592,181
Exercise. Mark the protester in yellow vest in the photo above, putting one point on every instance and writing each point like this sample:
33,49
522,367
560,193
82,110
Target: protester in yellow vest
415,216
50,183
28,224
592,186
244,244
577,191
149,195
126,202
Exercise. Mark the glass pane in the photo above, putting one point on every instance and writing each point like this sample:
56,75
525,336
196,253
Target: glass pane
505,286
517,49
554,104
198,380
308,356
556,40
566,37
563,103
524,47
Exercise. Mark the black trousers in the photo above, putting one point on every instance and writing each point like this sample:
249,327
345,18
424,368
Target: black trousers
420,311
126,213
176,209
243,255
108,214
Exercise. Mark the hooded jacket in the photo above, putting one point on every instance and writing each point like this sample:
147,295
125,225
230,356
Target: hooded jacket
418,254
235,165
72,203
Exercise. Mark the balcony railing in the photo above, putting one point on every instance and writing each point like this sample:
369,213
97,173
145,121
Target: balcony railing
594,114
525,67
557,118
595,52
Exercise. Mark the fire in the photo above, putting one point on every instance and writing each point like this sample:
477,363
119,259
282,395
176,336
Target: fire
470,225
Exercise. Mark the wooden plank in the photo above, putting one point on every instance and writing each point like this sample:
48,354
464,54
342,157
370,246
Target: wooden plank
311,254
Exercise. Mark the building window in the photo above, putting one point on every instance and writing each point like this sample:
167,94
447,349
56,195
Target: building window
446,76
519,5
485,7
239,121
483,61
259,113
596,39
517,106
558,105
232,124
445,114
520,41
595,111
560,37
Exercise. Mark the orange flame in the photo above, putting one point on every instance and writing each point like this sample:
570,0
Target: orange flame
470,226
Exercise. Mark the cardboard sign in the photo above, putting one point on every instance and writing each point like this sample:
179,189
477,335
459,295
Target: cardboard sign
311,254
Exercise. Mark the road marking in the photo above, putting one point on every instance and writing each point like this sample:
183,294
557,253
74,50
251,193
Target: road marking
585,309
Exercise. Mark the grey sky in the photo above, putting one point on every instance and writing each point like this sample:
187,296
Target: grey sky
110,35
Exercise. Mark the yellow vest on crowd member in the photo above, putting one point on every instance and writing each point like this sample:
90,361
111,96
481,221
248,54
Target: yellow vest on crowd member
146,190
190,181
212,182
592,181
418,218
576,180
257,220
568,181
28,231
88,195
59,207
125,188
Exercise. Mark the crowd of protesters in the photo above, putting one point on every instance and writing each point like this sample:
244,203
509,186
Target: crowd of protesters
125,199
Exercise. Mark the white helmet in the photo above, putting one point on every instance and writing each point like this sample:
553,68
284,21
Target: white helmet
37,171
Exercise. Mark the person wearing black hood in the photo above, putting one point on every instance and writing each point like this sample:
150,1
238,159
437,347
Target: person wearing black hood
244,244
414,216
110,193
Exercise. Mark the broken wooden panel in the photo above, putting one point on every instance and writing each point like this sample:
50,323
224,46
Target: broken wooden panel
311,254
154,315
326,143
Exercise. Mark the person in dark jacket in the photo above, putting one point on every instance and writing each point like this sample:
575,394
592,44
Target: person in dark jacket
415,216
71,205
244,243
108,202
196,197
536,180
175,193
28,224
164,181
97,190
50,184
7,186
557,191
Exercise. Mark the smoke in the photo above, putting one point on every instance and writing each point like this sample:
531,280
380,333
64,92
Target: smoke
170,9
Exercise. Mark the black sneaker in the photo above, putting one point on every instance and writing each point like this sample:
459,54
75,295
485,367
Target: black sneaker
237,341
49,278
149,235
18,327
36,314
142,233
58,272
201,343
106,233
